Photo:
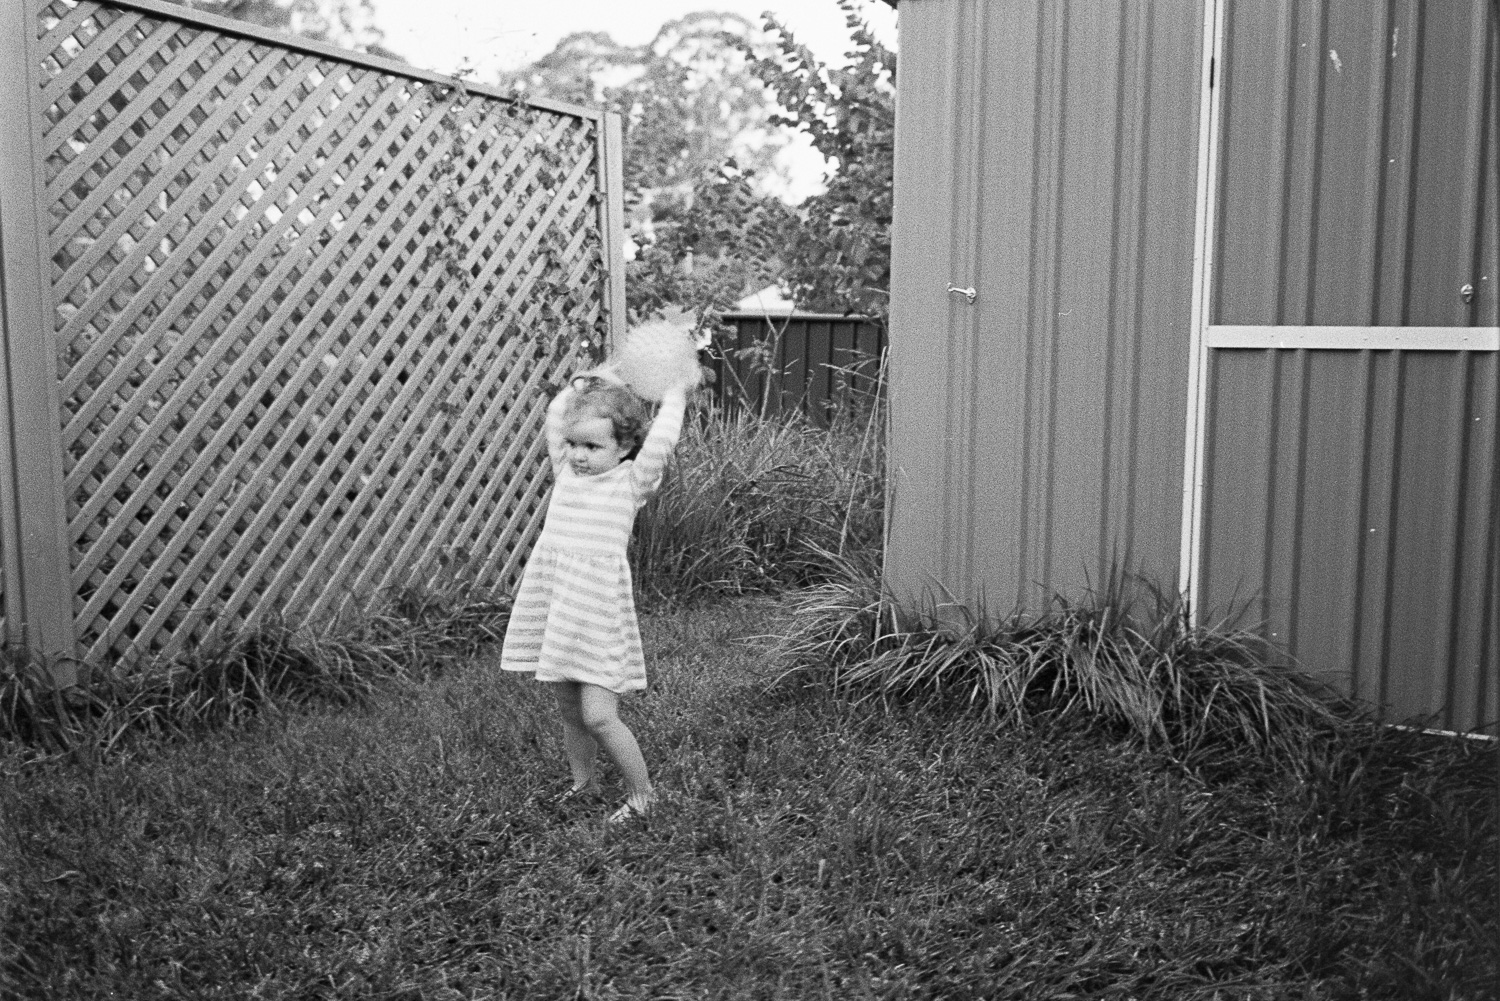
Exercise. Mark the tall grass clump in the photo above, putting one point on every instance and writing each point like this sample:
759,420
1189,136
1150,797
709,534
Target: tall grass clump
752,501
1127,656
406,634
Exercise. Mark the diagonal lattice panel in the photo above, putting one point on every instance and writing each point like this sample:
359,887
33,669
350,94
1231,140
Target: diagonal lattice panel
320,426
412,522
305,310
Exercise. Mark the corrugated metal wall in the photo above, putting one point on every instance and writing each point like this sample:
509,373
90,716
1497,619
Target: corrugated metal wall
1047,160
1352,507
1359,164
1352,497
812,362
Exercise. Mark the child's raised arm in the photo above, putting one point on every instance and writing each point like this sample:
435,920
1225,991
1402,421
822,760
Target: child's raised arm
651,461
556,445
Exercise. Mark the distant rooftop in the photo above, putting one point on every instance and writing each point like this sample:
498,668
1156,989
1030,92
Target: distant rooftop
769,301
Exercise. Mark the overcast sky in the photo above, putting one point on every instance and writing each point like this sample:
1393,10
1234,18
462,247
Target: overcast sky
494,35
497,35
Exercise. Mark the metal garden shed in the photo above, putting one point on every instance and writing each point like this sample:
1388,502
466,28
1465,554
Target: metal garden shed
1208,290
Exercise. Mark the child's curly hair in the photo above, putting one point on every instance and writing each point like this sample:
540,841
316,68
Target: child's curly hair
628,413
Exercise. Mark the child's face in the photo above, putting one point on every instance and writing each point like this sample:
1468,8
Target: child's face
591,446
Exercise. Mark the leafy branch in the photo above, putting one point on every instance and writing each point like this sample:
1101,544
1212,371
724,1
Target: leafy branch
838,255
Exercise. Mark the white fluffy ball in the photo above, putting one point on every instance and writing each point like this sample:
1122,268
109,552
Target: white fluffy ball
653,358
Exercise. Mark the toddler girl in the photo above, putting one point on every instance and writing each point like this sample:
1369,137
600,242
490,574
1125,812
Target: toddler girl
573,624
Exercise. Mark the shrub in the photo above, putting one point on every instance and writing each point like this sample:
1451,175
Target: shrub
751,503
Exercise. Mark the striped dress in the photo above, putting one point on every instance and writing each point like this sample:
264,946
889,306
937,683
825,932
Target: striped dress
574,613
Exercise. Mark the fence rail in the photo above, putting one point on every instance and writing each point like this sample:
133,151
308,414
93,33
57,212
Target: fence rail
276,320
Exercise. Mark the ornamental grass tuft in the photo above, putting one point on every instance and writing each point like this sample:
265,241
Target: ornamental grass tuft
408,634
751,502
1127,657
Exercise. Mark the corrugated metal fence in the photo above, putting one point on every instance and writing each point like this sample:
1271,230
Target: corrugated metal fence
276,320
812,362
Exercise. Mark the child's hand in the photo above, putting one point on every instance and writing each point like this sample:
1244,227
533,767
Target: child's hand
603,373
679,393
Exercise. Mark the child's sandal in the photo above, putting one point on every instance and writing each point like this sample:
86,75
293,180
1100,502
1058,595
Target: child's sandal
576,793
625,814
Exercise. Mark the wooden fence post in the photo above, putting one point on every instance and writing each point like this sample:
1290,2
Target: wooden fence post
33,520
612,219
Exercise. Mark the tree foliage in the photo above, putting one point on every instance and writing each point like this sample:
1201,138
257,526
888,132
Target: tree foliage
700,147
687,98
711,249
838,256
349,24
707,105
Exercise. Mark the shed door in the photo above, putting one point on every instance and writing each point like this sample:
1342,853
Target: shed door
1350,489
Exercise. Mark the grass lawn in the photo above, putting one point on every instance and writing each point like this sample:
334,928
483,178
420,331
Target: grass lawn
806,847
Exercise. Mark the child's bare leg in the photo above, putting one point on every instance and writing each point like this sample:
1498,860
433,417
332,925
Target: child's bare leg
601,715
580,747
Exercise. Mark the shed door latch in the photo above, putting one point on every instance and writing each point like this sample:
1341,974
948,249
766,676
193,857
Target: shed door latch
968,293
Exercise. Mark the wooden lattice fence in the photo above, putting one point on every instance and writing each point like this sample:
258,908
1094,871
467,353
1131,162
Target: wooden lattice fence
288,318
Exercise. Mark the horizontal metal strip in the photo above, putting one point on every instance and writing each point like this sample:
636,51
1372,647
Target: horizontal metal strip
1443,733
777,316
1357,338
